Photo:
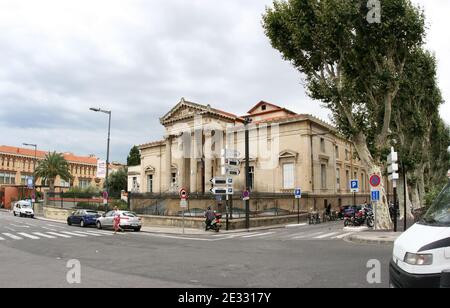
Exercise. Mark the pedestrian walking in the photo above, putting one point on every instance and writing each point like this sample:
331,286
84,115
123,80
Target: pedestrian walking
117,221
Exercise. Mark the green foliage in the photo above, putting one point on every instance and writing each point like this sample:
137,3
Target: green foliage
354,68
118,181
53,165
134,158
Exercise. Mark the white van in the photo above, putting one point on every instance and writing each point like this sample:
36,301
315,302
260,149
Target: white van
421,256
23,209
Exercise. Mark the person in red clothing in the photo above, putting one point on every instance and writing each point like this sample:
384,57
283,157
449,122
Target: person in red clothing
117,221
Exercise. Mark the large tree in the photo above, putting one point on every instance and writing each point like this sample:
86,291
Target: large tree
118,181
53,165
352,66
134,158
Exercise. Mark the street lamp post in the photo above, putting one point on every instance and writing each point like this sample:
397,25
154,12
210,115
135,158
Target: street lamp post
247,172
108,112
34,169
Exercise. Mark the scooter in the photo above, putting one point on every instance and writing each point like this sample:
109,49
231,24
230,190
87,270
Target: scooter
215,223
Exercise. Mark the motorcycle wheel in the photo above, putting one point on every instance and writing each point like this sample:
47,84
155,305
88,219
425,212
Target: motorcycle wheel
370,222
346,223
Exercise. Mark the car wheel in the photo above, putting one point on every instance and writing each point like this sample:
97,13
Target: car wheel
137,229
14,213
82,224
20,215
99,225
69,222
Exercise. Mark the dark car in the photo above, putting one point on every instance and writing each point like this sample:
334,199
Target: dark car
83,218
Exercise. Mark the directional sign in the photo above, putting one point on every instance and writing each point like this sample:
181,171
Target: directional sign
394,177
375,180
232,162
222,190
392,168
354,186
375,195
222,181
298,193
228,170
393,157
229,153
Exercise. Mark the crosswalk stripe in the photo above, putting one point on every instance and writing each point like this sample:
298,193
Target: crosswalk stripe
43,235
308,235
28,235
2,239
89,233
14,237
75,234
326,235
49,229
342,235
58,234
258,234
100,232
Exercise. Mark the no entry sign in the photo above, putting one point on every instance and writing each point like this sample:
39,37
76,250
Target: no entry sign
375,180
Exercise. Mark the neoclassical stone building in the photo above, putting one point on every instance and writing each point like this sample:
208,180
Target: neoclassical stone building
287,150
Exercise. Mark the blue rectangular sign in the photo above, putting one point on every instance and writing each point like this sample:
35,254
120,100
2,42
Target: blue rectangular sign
375,195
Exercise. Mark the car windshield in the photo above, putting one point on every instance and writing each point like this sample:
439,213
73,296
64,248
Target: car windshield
439,212
129,214
91,213
26,206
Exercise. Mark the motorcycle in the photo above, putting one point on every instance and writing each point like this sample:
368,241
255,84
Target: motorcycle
215,224
360,217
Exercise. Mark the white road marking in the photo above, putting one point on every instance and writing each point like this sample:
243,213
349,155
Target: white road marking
49,229
342,235
29,236
58,234
19,226
88,233
326,235
2,239
43,235
258,234
75,234
14,237
308,235
180,237
53,226
10,229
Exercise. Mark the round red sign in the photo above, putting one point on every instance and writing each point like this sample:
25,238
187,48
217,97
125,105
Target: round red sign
183,194
375,180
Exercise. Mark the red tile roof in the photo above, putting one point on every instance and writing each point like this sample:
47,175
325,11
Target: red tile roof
41,154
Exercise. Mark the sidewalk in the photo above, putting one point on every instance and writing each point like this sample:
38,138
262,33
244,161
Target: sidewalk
374,237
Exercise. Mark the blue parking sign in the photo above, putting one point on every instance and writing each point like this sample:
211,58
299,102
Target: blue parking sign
354,185
375,195
298,193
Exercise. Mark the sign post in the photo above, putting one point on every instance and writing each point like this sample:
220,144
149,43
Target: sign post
183,202
375,181
392,160
354,188
298,196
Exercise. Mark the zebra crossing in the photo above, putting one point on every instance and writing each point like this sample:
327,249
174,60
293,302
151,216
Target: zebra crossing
322,235
47,235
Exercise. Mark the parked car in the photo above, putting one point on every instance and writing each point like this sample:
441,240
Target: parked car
23,209
83,218
128,220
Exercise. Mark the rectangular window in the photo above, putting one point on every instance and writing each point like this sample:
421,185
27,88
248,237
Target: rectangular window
288,176
149,183
65,184
347,155
322,145
347,179
7,178
337,152
84,183
323,174
252,177
338,179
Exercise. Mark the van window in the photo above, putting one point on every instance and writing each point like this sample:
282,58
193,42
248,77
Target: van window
439,212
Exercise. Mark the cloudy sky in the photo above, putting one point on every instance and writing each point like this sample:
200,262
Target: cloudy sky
138,58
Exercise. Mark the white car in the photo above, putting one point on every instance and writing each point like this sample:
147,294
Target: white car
128,220
23,209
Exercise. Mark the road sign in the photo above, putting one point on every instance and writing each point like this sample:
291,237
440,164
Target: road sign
246,195
222,181
229,153
354,186
392,168
222,190
183,204
394,177
298,193
375,180
228,170
393,157
375,195
232,162
183,194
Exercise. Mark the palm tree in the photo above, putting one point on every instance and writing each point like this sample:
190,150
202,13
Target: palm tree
54,164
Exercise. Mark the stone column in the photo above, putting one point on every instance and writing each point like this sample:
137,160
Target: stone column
193,174
208,161
168,169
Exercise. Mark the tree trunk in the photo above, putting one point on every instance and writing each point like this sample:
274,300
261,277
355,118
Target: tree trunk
415,198
383,218
51,184
401,198
421,187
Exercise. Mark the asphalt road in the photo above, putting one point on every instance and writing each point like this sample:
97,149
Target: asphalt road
35,253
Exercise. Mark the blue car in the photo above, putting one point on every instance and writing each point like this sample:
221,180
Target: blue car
83,218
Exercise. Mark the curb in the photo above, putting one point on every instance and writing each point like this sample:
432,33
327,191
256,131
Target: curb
361,240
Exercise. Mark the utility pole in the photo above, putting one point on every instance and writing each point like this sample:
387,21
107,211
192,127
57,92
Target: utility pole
394,177
404,196
247,172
